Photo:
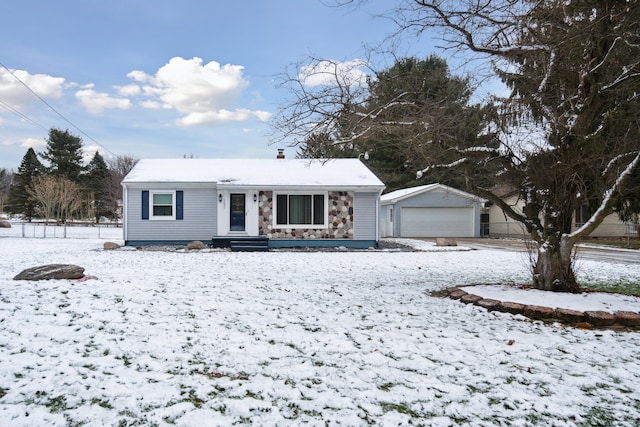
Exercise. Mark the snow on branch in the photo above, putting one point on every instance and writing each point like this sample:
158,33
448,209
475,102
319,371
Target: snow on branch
615,160
477,150
420,173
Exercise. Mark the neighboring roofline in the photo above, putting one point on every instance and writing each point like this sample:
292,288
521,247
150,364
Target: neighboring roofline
404,194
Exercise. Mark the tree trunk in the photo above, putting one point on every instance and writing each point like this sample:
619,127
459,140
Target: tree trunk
553,269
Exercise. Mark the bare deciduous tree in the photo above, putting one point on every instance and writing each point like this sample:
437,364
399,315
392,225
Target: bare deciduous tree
55,197
119,167
43,190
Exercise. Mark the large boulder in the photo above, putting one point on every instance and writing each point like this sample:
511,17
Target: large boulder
5,224
109,246
51,271
442,241
196,245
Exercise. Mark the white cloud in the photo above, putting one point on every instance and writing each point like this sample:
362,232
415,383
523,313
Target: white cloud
96,102
221,116
213,117
129,90
139,76
204,93
16,95
332,73
263,116
33,143
88,151
152,105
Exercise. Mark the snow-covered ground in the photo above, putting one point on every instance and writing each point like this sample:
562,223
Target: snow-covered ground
292,338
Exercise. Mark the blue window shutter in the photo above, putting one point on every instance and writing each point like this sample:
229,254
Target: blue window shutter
179,204
145,205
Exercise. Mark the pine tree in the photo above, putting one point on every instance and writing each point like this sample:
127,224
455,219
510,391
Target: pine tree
20,202
96,184
64,154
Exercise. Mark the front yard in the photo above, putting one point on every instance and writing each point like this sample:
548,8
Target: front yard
292,338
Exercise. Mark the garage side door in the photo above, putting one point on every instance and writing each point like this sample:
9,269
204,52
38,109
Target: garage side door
437,222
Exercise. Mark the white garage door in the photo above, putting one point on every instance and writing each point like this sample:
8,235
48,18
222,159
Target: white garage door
437,222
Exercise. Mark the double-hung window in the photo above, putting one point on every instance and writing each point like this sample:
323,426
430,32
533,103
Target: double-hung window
301,210
163,205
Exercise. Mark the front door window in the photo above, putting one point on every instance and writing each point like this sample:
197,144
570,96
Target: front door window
238,205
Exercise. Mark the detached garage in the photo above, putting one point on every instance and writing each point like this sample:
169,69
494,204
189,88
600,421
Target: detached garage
433,210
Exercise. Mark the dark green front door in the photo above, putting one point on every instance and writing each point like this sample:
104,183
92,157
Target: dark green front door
238,205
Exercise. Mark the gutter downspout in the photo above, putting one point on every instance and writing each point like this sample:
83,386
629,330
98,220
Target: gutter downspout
125,208
378,217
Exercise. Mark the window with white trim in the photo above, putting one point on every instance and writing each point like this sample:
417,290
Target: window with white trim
163,205
301,210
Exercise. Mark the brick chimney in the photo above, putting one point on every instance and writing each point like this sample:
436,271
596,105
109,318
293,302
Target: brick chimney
280,153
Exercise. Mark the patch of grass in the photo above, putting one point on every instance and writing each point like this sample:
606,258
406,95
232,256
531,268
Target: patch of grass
3,392
295,347
101,403
253,395
56,404
620,242
386,387
401,408
293,411
125,360
192,398
597,417
620,287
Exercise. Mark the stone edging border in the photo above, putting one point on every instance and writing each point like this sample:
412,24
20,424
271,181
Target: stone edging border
620,320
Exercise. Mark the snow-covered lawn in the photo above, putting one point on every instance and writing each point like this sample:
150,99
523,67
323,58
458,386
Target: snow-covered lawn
292,338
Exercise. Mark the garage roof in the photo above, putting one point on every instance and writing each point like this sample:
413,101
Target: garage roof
405,193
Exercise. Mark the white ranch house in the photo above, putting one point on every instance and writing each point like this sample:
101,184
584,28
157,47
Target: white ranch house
244,202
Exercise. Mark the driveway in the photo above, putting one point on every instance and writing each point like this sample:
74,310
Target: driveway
592,252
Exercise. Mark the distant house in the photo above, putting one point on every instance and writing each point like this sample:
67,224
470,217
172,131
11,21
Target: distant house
280,202
433,210
500,225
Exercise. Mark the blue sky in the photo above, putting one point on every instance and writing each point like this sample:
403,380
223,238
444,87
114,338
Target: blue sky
161,78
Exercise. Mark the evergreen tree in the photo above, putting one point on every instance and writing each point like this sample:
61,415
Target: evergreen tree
96,185
408,112
64,154
20,202
416,105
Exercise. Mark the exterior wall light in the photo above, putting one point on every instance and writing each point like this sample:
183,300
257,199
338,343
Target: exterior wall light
255,197
220,197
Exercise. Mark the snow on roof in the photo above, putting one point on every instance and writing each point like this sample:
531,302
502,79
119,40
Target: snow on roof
256,172
397,195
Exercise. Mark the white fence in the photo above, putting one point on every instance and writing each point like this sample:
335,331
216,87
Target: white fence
39,230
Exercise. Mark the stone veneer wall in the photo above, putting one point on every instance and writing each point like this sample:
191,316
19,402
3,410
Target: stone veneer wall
340,219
